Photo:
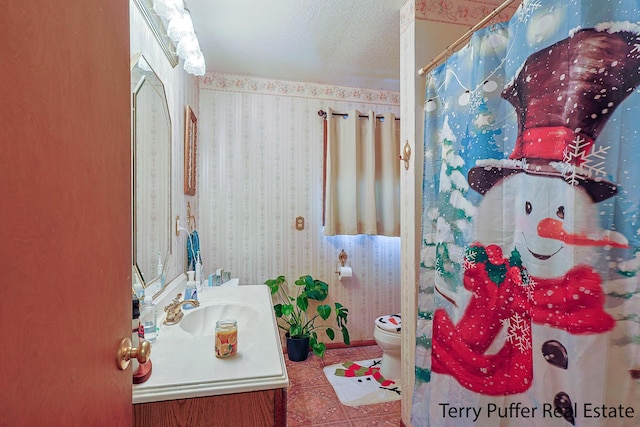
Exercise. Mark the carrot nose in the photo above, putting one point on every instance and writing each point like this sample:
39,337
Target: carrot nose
552,229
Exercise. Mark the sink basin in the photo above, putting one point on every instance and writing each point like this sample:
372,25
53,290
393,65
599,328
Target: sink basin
184,361
201,321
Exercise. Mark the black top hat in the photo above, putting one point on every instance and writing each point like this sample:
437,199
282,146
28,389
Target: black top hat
563,96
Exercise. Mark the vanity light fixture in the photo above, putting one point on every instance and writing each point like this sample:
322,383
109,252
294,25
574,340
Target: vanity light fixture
180,30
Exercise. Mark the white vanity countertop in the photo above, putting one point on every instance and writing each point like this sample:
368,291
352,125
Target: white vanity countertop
185,365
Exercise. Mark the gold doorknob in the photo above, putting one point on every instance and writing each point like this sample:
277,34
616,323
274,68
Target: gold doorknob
125,353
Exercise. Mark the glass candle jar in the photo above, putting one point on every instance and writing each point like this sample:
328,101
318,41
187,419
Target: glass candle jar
226,337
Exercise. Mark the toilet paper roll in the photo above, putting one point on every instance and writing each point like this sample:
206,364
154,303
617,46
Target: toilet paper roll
344,272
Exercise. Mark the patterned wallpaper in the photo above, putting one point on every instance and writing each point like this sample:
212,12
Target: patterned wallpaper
261,145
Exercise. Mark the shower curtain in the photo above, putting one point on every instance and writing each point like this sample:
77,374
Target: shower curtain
529,305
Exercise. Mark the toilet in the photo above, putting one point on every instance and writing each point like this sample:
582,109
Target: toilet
387,334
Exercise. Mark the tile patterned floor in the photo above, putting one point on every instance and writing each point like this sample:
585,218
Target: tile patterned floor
311,401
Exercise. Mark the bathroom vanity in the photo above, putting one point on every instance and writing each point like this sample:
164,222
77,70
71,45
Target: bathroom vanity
189,385
250,409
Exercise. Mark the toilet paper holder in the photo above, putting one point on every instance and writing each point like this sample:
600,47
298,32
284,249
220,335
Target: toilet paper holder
342,261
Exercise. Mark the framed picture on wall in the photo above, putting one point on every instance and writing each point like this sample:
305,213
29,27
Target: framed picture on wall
190,145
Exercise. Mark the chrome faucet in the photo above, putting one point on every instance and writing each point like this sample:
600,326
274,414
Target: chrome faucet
174,310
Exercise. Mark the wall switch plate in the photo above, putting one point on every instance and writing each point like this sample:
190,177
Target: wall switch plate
299,223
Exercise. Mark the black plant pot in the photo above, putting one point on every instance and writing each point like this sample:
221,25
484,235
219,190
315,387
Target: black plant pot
297,348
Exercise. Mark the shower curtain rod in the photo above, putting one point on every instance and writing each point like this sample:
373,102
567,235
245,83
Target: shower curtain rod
466,36
323,114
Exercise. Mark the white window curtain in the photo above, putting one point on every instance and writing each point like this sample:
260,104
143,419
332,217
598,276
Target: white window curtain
362,187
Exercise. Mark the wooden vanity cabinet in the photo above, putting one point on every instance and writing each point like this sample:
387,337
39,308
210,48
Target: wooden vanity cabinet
251,409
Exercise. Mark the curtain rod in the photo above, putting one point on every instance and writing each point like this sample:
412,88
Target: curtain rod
323,114
450,49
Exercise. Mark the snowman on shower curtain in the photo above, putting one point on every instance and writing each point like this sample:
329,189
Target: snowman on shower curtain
535,328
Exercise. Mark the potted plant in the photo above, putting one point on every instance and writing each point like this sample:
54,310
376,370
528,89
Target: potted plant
292,316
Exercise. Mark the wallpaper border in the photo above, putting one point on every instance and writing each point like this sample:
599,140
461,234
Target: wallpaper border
461,12
266,86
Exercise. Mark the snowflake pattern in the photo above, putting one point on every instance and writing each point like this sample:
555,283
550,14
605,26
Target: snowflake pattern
579,161
527,8
469,259
476,101
518,332
468,264
528,284
439,267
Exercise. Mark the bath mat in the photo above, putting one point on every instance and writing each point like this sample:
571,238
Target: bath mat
360,383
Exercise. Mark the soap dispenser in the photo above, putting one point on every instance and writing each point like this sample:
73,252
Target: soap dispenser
191,291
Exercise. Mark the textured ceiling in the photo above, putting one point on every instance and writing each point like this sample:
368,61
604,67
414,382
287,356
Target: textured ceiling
343,42
338,42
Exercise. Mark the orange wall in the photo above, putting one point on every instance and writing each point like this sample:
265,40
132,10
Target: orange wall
65,210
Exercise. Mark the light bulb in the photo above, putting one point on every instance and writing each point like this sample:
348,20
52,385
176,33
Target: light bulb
168,8
490,85
194,64
179,25
187,45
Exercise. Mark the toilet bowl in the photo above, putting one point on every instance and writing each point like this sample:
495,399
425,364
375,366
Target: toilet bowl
387,334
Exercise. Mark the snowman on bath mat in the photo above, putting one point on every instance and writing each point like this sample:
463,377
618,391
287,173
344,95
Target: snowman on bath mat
360,383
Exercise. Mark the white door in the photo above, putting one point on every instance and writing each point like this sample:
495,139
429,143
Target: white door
65,212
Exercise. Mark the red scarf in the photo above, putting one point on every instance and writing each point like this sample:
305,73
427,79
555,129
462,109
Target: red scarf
573,303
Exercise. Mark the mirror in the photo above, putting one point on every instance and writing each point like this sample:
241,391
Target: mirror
151,149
